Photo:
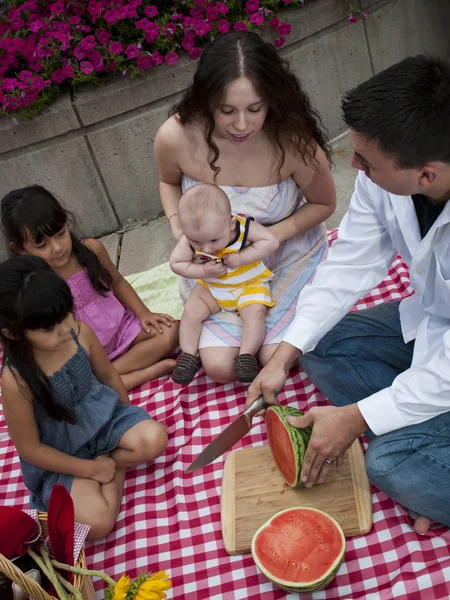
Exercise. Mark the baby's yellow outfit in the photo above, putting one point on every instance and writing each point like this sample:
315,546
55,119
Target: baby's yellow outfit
247,284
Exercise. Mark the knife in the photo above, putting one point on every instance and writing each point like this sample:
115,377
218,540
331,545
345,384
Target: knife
229,436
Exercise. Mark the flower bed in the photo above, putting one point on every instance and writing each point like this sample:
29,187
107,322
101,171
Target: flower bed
46,47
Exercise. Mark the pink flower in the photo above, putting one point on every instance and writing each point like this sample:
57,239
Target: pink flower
74,20
112,65
132,51
25,75
57,8
240,26
142,24
274,22
171,58
144,62
364,16
111,16
17,24
9,84
37,83
88,42
79,52
187,44
150,11
58,76
115,47
211,13
223,26
222,8
251,5
202,27
102,36
36,25
95,9
195,53
352,19
284,28
68,72
157,58
123,12
152,32
257,18
279,42
86,67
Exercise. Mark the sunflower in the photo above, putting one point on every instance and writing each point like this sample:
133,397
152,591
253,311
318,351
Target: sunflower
121,588
152,587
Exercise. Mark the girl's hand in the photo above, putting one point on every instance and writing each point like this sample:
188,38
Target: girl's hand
150,319
232,261
103,468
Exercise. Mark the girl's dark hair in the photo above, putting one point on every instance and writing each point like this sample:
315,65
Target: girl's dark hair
32,296
36,210
406,110
290,116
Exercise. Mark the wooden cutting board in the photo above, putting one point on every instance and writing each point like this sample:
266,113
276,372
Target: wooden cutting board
253,490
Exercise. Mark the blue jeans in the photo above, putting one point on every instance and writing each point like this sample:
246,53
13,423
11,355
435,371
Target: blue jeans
360,356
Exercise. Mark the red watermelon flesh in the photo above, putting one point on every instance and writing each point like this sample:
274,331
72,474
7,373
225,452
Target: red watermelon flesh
299,549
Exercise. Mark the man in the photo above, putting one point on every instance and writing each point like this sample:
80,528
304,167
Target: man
387,368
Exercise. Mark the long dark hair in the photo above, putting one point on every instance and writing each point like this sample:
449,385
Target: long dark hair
36,210
290,115
32,296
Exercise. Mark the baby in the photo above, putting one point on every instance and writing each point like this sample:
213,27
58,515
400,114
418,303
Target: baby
224,252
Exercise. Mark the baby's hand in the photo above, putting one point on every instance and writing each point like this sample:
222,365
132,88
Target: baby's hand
103,468
232,261
214,269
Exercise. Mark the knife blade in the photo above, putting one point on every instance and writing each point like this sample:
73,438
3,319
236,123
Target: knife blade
229,436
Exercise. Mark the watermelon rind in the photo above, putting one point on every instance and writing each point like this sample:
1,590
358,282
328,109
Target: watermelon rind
308,586
299,439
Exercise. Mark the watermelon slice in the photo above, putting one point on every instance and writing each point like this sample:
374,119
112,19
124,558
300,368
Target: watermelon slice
299,549
288,444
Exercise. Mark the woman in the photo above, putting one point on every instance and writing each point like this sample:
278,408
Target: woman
246,125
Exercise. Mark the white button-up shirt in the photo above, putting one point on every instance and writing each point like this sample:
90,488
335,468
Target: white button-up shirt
377,226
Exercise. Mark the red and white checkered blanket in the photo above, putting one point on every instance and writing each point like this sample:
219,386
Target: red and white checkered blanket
171,521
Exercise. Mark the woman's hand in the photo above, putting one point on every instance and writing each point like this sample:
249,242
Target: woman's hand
150,319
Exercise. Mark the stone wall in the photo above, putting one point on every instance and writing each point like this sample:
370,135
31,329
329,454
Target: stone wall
94,148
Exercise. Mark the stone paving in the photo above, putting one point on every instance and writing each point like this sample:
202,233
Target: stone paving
150,245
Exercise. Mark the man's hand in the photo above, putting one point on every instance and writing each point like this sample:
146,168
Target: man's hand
335,429
214,269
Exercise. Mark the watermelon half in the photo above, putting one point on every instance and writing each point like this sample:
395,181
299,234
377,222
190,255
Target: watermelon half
299,549
288,444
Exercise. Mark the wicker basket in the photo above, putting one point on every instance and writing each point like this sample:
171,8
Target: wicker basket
81,582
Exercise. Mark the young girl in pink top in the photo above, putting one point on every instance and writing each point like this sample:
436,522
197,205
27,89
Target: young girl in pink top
134,338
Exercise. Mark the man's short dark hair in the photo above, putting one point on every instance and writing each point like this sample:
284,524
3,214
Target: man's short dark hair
406,110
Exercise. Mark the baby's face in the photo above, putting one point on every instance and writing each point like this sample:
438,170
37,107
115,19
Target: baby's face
214,235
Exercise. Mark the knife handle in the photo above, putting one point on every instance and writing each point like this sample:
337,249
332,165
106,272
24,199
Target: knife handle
257,405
